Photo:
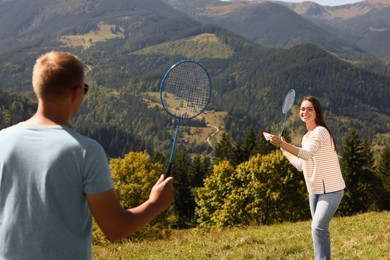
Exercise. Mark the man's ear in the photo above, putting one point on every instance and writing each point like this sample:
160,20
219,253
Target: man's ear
74,94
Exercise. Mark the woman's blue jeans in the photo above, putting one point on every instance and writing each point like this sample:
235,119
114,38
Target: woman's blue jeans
323,207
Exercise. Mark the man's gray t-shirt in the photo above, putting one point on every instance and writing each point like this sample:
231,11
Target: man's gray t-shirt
45,174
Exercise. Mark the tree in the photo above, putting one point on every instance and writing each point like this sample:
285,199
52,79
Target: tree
249,146
199,170
224,150
264,190
184,205
210,198
134,175
362,185
383,172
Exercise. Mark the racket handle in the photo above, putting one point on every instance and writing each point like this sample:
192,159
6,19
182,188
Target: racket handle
284,124
168,170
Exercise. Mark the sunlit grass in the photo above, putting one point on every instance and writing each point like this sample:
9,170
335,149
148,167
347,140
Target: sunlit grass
365,236
104,33
202,46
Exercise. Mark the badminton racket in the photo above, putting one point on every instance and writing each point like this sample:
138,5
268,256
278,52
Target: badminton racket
185,91
287,105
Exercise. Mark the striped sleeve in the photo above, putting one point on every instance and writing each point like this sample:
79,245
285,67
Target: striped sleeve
294,160
319,136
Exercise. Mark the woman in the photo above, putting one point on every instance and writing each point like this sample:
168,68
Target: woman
321,169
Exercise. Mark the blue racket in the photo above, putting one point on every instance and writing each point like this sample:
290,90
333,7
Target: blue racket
185,91
287,105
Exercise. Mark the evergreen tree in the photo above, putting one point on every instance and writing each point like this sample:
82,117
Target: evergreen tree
224,149
237,152
184,205
249,146
160,158
199,170
362,185
383,172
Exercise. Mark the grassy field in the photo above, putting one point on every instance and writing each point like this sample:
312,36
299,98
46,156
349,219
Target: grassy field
105,32
205,45
365,236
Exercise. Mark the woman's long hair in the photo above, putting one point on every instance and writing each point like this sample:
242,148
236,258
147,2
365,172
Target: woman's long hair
320,116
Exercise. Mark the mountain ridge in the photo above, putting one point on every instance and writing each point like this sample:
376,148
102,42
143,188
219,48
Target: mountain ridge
249,80
326,23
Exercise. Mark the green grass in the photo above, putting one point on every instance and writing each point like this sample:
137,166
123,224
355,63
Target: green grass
104,33
205,45
365,236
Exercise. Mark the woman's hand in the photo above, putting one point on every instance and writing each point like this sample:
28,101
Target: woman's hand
275,140
279,141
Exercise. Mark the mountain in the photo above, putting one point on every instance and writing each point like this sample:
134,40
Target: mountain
366,23
268,23
128,45
24,21
354,31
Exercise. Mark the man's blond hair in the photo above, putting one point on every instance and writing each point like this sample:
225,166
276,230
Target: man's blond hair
55,74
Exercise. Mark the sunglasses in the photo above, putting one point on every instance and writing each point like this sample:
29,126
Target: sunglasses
85,88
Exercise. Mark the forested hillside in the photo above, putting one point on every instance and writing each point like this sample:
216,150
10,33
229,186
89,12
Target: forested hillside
14,108
146,38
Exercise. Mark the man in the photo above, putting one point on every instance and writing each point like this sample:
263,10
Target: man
52,178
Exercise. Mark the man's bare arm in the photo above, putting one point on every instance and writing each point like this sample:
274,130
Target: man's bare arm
116,222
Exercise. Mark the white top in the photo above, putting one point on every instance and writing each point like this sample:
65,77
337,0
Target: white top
319,162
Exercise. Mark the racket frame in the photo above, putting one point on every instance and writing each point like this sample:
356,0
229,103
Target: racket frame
178,118
285,112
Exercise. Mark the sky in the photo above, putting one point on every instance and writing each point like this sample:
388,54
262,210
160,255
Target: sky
326,2
323,2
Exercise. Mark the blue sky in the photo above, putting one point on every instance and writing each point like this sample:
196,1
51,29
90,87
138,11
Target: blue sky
323,2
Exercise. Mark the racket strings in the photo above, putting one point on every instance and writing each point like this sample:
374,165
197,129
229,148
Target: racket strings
186,90
288,101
